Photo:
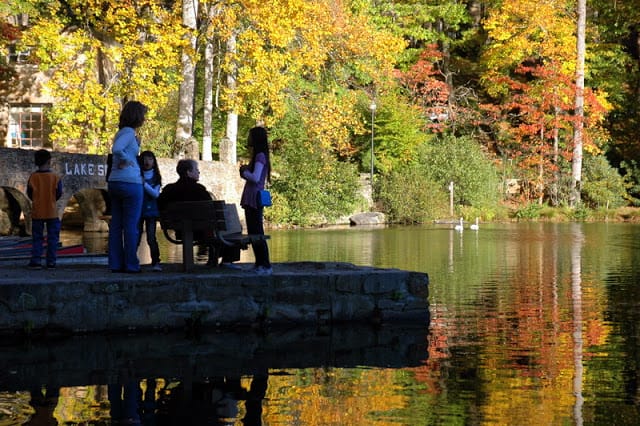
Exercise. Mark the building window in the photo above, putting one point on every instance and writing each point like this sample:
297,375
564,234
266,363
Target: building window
28,127
18,56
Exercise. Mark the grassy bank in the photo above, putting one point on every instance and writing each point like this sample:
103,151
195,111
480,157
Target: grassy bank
565,214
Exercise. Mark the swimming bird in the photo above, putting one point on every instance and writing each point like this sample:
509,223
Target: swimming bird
459,227
475,226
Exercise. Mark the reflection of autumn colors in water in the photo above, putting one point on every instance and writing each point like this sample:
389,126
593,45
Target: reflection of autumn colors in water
533,323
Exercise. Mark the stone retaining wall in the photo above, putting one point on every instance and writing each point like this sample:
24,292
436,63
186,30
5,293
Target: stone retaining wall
85,299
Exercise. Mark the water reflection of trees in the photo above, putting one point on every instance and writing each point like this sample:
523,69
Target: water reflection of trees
512,340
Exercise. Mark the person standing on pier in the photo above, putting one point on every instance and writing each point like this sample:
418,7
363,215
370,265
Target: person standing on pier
44,188
150,213
255,174
126,191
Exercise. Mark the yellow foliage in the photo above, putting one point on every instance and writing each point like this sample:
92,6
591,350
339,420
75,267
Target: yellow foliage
523,30
99,53
122,51
331,121
277,42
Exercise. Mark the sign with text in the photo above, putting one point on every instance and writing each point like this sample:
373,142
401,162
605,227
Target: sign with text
85,169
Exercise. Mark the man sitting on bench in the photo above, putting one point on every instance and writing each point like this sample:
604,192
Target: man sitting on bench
187,188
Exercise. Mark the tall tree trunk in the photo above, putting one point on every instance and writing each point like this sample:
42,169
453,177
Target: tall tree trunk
576,163
106,76
540,187
208,101
229,143
556,155
184,127
211,80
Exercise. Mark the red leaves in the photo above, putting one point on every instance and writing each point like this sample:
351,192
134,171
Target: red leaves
428,88
8,32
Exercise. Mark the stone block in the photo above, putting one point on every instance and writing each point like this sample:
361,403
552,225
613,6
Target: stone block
418,284
311,292
349,283
162,292
241,310
390,305
352,307
283,313
379,282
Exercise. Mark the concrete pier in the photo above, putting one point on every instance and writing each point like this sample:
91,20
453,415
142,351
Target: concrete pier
88,298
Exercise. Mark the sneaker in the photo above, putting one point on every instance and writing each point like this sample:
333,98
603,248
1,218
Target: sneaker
156,267
34,266
261,270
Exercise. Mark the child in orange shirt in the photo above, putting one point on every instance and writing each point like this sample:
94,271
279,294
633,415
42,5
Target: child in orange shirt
44,189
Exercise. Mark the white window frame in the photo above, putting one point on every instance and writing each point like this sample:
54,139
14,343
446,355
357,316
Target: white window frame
28,127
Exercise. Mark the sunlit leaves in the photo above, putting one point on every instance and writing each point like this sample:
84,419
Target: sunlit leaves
99,54
331,120
530,73
8,33
397,133
528,30
277,42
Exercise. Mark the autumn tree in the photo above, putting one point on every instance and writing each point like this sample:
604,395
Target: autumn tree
303,50
97,55
530,66
534,124
613,64
443,38
8,34
428,89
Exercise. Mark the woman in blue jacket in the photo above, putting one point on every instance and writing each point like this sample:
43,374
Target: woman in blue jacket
126,191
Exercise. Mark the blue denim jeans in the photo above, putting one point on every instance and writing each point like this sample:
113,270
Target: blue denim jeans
53,237
126,206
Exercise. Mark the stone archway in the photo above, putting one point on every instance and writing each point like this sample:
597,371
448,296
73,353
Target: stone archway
14,208
86,209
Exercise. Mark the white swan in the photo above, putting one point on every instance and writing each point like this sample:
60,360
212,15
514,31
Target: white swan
475,226
459,227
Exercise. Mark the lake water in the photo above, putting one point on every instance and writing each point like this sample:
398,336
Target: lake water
531,323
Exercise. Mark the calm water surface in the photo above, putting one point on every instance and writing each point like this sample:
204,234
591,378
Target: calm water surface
530,324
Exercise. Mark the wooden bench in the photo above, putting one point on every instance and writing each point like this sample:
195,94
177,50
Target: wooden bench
215,222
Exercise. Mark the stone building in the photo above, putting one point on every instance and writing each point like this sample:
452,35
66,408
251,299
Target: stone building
23,104
23,108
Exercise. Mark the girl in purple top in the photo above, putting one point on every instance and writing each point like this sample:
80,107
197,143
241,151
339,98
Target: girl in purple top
255,175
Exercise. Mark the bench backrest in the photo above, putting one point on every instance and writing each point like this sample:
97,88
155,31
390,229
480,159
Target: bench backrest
203,215
233,224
